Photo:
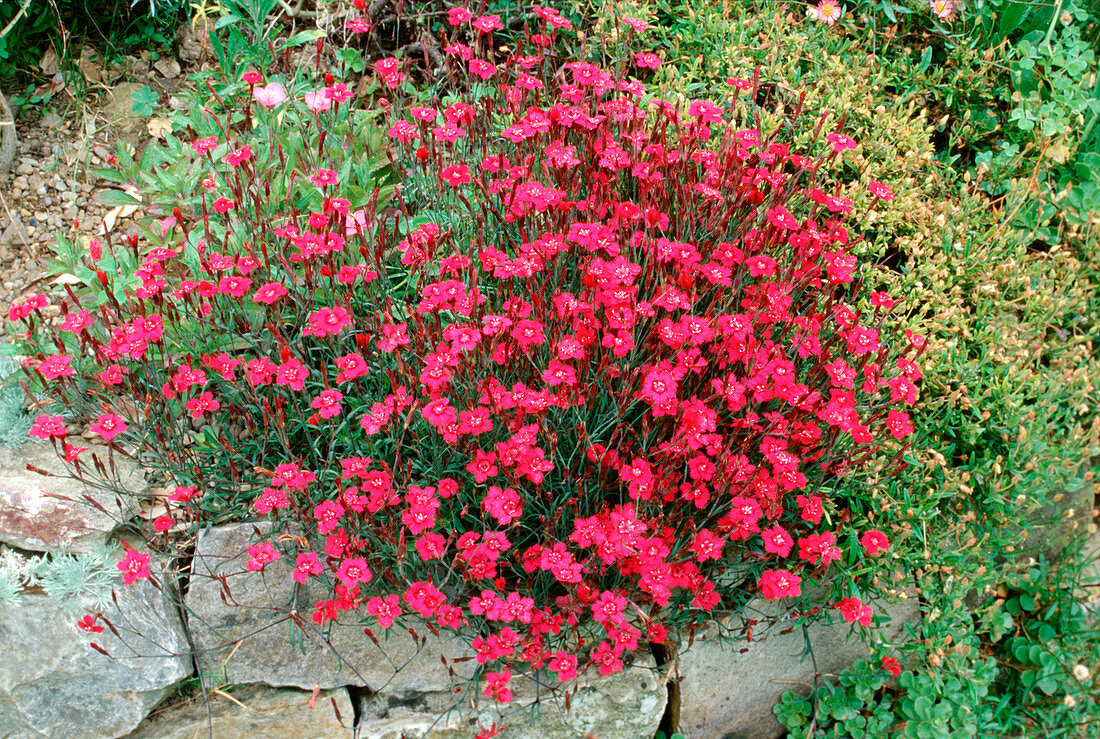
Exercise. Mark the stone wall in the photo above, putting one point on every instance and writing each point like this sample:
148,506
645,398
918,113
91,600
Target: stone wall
164,667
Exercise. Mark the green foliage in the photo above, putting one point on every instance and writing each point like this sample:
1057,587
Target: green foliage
1050,82
1016,665
145,101
78,581
15,422
116,25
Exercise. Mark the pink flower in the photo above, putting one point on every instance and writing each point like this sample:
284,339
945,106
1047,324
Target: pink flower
880,191
292,373
456,174
327,404
780,217
351,366
497,686
306,565
205,402
564,664
389,69
324,178
777,541
134,566
403,131
56,365
943,9
779,584
827,11
358,25
88,623
841,142
874,541
431,546
899,424
47,426
504,505
318,101
853,610
353,570
112,374
818,548
269,293
338,92
327,322
385,610
252,77
184,493
458,16
488,23
108,426
201,146
270,95
482,68
260,556
235,157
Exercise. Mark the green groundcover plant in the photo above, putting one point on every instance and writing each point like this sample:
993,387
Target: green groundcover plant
537,357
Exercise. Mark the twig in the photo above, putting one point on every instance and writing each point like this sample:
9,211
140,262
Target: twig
1053,22
297,12
19,14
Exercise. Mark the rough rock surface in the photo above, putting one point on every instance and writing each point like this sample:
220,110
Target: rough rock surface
250,637
255,711
626,705
1060,519
119,111
42,513
727,690
54,684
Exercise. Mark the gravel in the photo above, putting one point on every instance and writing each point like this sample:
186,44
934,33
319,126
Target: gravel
50,194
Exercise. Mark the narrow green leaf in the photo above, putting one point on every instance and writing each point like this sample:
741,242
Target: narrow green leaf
116,197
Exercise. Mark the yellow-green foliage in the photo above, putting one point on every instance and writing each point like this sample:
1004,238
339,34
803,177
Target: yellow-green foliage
1010,401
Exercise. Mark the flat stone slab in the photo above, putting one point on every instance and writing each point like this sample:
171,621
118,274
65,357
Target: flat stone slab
626,705
254,711
728,688
249,637
53,683
40,513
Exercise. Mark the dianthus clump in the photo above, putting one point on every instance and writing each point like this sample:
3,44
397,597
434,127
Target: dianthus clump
599,368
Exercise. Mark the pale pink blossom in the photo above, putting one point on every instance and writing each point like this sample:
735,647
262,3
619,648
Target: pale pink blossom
827,11
943,9
270,95
318,101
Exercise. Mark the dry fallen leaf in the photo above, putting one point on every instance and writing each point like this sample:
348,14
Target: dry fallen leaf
49,63
120,211
90,65
159,127
170,68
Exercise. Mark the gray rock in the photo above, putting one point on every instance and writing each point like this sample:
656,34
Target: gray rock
1061,518
54,684
250,636
254,711
626,705
727,688
15,233
119,111
42,513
